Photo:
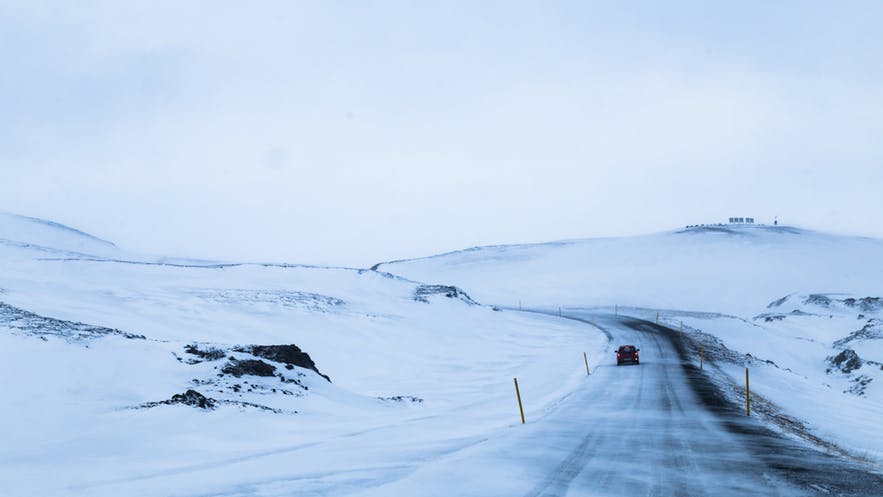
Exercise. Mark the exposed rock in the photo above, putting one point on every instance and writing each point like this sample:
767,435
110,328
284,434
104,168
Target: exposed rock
290,355
188,398
403,398
846,361
423,292
872,330
819,300
207,354
867,304
193,398
34,324
254,367
777,303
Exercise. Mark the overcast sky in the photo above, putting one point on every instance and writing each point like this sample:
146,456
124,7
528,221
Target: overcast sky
352,132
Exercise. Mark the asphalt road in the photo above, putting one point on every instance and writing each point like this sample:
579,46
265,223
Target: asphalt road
661,429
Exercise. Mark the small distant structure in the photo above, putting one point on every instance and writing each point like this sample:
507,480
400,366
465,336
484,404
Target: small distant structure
741,220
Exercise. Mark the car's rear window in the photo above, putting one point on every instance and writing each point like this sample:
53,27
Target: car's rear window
626,349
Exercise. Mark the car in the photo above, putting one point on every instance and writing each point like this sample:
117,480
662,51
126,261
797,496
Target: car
626,354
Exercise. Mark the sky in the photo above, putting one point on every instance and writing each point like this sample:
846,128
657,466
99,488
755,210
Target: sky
346,133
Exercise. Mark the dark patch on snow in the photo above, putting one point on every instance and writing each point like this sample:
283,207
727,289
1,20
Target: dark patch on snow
34,324
846,361
403,398
818,299
189,398
423,292
290,355
777,303
859,385
253,367
769,318
285,298
195,399
872,330
867,304
206,354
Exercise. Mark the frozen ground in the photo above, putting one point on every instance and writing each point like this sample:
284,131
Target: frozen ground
134,375
801,308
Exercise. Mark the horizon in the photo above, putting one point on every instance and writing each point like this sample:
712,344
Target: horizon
135,251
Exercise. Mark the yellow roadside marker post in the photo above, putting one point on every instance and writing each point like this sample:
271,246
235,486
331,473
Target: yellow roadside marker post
747,395
520,408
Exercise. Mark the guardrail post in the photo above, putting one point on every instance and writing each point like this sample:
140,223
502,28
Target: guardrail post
518,394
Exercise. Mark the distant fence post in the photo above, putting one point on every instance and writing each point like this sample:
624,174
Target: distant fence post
586,358
518,394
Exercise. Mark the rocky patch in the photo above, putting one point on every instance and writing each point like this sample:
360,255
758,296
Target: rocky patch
846,361
30,323
423,292
253,367
290,355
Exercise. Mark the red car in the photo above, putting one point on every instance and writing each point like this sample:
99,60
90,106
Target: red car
627,354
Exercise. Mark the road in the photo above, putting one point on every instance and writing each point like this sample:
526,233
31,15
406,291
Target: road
661,428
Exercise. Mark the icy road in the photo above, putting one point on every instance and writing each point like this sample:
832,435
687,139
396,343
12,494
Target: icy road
660,428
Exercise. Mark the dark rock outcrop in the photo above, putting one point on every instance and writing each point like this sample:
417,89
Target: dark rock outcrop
254,367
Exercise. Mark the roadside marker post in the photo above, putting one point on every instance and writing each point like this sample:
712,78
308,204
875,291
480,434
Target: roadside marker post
657,317
616,309
701,350
747,395
559,311
586,358
518,394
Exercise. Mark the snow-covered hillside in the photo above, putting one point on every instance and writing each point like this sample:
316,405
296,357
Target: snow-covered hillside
50,237
124,376
736,269
801,308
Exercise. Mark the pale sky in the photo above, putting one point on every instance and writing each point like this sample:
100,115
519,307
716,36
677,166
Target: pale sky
352,132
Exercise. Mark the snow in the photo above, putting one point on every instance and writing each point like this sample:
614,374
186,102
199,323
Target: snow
722,281
80,428
92,337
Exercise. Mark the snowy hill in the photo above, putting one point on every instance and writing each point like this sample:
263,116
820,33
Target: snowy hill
801,308
128,375
39,235
734,269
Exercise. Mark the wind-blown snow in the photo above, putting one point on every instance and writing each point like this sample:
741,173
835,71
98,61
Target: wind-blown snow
93,345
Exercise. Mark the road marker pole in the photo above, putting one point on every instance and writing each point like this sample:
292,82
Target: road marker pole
559,311
682,330
747,395
519,304
701,349
657,317
616,309
586,358
520,408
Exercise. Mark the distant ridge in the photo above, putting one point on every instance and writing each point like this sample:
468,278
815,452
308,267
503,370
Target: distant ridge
59,226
